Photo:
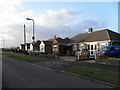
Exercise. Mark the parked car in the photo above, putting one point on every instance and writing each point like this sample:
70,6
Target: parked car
82,54
113,50
35,51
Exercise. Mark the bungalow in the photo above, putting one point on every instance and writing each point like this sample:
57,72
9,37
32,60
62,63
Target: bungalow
59,46
26,47
36,45
46,47
94,40
23,47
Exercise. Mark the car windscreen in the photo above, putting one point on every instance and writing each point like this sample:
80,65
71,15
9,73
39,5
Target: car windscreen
106,49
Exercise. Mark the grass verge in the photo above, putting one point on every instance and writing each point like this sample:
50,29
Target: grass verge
21,57
1,53
99,74
4,53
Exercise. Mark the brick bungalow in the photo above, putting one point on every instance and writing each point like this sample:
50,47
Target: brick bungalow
47,46
59,46
94,40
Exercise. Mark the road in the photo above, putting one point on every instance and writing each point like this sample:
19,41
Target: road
21,74
0,72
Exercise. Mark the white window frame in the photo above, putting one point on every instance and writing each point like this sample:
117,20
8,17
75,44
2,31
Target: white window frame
55,48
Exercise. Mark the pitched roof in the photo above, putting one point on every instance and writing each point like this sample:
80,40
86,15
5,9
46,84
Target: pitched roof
113,35
48,42
63,41
100,35
37,43
60,40
52,39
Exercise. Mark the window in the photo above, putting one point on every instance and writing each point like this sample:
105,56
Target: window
106,48
55,47
102,46
91,52
28,46
95,47
91,47
112,49
88,47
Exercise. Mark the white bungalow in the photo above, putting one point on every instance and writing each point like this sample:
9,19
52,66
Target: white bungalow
95,40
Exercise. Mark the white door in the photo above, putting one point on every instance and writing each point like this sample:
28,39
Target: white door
92,49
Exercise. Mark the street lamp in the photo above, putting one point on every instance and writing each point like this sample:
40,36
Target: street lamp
33,28
33,37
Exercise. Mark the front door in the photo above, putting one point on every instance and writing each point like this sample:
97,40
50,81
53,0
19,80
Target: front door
91,48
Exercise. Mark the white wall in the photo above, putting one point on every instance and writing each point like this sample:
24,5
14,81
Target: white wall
31,47
101,45
42,47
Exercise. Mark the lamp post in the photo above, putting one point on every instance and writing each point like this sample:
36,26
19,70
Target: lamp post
33,37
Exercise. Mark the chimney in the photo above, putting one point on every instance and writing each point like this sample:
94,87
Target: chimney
90,30
55,37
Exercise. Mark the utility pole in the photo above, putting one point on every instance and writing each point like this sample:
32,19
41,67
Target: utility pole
24,35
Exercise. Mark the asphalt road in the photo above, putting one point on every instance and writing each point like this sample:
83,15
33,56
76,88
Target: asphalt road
0,72
21,74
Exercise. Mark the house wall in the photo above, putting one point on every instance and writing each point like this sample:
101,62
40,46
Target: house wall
42,47
23,47
92,46
27,47
48,49
69,50
62,50
31,47
55,47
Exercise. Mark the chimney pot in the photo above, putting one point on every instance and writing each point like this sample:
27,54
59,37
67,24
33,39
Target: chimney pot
55,37
90,30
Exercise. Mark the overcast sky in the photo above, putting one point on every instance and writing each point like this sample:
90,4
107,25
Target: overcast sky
63,19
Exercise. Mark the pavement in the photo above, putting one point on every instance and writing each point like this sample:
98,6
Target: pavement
68,58
23,74
69,61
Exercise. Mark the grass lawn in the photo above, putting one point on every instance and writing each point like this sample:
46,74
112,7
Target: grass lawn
21,57
99,74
